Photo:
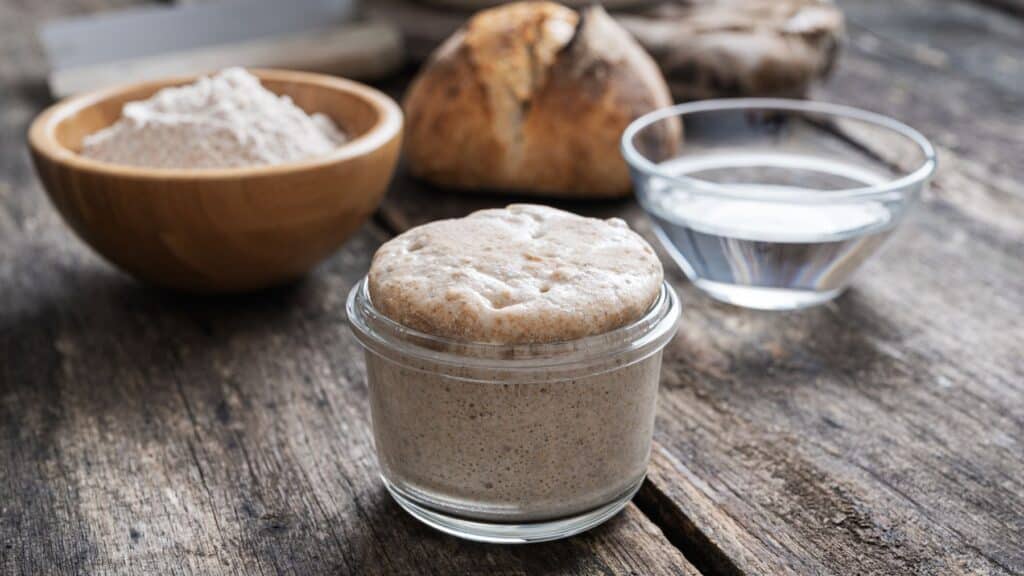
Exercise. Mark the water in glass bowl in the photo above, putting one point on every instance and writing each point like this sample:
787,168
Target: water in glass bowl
760,248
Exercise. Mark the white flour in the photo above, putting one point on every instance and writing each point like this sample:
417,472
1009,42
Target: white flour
224,121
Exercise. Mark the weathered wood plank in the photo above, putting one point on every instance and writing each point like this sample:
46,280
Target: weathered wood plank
869,435
953,68
149,433
859,426
883,432
144,432
879,434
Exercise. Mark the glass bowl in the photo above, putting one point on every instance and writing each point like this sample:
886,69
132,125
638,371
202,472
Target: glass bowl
770,203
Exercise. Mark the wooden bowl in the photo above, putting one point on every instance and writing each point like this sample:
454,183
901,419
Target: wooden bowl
221,230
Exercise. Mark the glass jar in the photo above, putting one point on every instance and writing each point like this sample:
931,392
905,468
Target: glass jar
512,443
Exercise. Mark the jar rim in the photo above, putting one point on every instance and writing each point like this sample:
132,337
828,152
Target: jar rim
638,339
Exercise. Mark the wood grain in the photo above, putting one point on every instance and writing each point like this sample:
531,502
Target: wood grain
143,432
146,433
955,69
880,434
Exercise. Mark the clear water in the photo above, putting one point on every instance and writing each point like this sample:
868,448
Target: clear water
759,251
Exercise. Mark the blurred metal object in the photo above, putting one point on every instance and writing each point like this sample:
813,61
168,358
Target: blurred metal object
156,41
480,4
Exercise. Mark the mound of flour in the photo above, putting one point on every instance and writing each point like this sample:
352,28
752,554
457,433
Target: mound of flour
225,121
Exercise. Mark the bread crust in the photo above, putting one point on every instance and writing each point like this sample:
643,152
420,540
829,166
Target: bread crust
531,97
734,48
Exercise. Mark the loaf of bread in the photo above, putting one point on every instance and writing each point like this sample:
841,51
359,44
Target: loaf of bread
532,97
729,48
477,4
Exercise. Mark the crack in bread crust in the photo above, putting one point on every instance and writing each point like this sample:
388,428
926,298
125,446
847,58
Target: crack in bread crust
532,97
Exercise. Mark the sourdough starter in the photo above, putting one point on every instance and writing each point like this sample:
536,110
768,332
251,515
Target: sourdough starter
495,444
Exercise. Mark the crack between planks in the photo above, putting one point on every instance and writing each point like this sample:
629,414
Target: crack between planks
1013,8
196,437
681,531
923,510
382,221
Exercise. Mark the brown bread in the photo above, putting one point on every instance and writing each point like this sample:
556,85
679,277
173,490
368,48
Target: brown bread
532,97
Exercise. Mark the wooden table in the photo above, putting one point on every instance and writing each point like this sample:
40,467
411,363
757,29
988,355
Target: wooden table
146,432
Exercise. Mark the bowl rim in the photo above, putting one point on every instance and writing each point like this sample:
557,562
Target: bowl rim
42,132
638,161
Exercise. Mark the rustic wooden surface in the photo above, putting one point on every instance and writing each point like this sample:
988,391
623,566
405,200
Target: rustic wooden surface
883,433
143,432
